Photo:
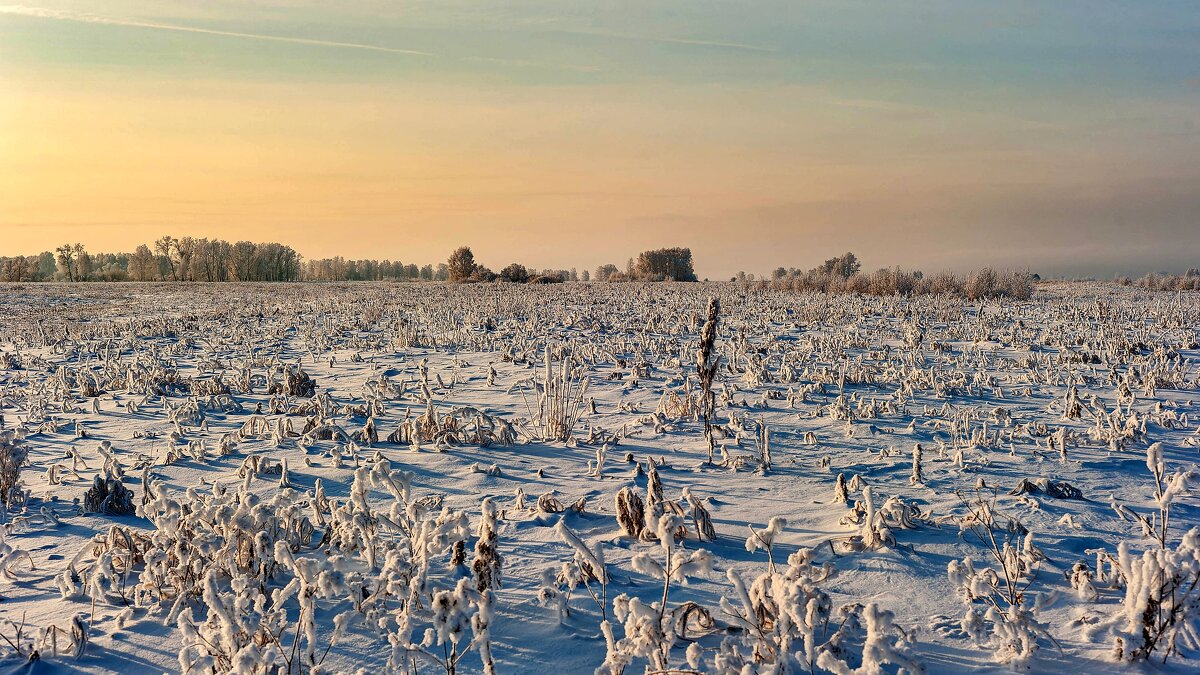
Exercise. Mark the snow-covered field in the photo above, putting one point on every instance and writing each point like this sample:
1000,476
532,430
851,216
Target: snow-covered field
327,478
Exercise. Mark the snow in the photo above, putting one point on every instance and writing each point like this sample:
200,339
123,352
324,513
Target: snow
352,518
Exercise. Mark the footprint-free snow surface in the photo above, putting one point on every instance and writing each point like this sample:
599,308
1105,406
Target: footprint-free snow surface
518,479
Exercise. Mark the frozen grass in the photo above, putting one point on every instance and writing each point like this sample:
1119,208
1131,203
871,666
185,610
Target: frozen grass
625,477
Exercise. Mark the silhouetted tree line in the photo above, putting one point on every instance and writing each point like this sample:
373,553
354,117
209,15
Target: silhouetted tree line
340,269
208,260
844,274
1188,281
167,259
664,264
462,268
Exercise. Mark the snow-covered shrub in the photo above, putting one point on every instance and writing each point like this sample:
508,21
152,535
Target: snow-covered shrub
1001,612
1160,612
651,630
13,455
487,561
764,539
786,623
259,574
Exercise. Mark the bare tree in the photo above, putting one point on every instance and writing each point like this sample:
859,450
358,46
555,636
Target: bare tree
185,250
83,263
66,260
142,264
164,247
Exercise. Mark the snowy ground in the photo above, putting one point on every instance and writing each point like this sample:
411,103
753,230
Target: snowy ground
844,385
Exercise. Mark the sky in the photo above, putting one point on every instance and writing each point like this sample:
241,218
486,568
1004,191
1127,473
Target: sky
1059,137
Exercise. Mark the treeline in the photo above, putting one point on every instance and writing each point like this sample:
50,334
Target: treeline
1188,281
340,269
169,259
207,260
664,264
843,274
462,268
214,260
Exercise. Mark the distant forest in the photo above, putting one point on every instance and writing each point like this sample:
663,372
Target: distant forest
193,259
198,259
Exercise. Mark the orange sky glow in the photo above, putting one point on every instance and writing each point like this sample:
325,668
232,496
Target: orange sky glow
583,145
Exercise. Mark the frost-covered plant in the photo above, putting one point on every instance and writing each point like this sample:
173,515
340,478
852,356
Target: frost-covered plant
655,504
1161,609
701,519
765,538
487,561
840,496
651,630
10,556
676,566
884,643
596,468
1000,613
243,631
13,455
918,475
1071,405
586,566
786,623
291,381
1167,489
453,613
561,394
1162,587
631,512
707,362
783,614
464,425
874,525
762,439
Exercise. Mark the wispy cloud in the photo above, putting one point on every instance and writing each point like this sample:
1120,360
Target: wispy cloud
79,17
716,44
524,63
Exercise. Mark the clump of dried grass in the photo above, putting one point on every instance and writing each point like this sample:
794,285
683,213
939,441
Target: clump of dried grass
110,497
631,512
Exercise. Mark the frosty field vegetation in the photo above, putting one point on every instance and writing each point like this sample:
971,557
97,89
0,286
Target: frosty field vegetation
660,478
